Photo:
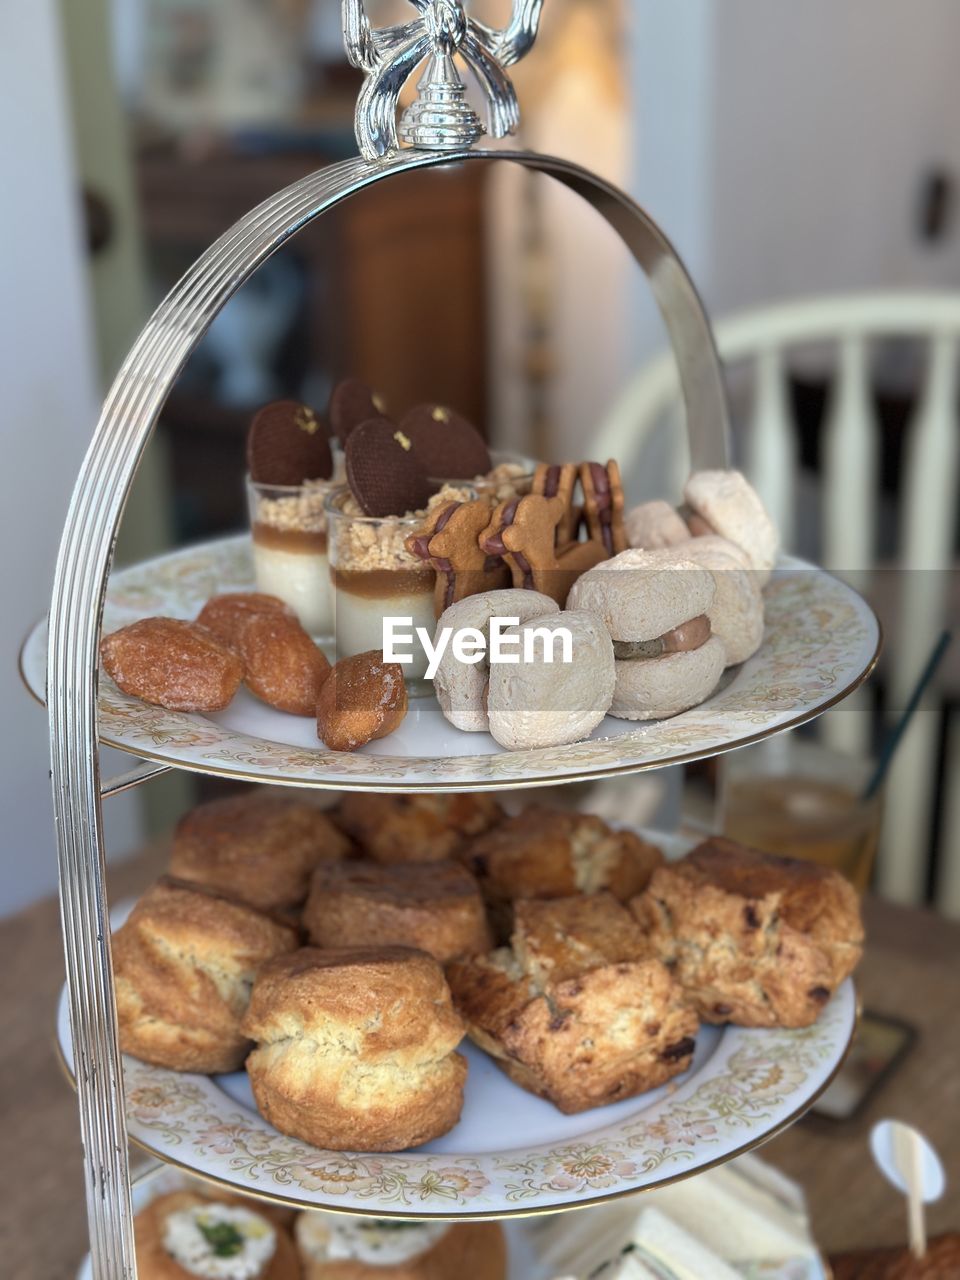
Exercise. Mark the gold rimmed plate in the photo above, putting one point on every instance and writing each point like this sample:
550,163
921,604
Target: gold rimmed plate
821,641
529,1255
511,1154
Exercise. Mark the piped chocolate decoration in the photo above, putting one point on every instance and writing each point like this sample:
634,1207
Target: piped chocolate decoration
351,403
449,446
603,505
384,471
450,544
524,531
287,444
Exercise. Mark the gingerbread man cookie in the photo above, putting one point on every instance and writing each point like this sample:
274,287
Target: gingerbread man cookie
450,543
560,481
603,505
524,532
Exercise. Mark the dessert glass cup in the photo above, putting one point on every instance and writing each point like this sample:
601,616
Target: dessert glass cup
374,577
510,476
288,527
794,797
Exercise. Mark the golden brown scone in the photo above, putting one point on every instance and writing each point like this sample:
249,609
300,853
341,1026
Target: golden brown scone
362,699
392,1250
423,828
554,853
172,664
184,963
755,939
356,1048
258,846
435,907
226,615
166,1218
284,667
579,1010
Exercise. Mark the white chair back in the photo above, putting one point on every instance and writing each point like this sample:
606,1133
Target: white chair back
764,340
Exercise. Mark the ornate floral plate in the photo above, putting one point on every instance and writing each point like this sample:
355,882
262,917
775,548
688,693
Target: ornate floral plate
511,1153
822,641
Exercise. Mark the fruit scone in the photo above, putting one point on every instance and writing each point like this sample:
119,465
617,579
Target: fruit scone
433,906
258,845
554,853
578,1009
752,938
185,962
415,828
356,1048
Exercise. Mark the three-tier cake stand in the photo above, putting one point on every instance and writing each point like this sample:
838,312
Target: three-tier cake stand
812,669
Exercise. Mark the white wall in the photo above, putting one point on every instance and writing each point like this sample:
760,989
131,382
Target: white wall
782,144
49,408
826,117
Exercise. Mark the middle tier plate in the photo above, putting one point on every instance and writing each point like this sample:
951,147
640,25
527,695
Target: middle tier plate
821,641
511,1153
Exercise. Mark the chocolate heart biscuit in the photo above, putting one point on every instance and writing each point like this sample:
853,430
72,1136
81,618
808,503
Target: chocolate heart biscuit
288,444
524,532
603,505
449,447
385,474
450,544
351,403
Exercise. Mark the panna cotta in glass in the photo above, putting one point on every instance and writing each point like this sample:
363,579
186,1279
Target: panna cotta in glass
375,577
288,526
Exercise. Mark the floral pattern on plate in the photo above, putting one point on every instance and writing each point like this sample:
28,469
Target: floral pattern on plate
752,1084
821,640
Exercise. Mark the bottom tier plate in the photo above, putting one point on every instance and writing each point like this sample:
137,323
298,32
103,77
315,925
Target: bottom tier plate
511,1153
526,1249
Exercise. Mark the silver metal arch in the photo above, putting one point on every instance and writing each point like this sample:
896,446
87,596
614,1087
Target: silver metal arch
127,421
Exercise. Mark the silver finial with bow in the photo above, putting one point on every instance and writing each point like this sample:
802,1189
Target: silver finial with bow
441,118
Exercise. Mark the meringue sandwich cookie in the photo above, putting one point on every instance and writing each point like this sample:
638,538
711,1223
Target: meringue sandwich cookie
655,524
655,609
289,533
334,1247
538,703
460,687
736,614
725,502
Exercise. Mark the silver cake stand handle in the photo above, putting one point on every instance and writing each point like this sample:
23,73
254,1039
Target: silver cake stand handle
127,421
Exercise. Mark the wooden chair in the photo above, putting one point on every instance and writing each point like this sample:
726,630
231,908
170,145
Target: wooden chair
764,341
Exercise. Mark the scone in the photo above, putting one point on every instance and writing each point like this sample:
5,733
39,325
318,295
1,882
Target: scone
258,846
553,853
435,907
755,939
334,1247
579,1009
356,1048
423,828
187,1234
184,964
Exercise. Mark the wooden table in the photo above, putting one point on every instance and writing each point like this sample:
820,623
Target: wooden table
911,970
